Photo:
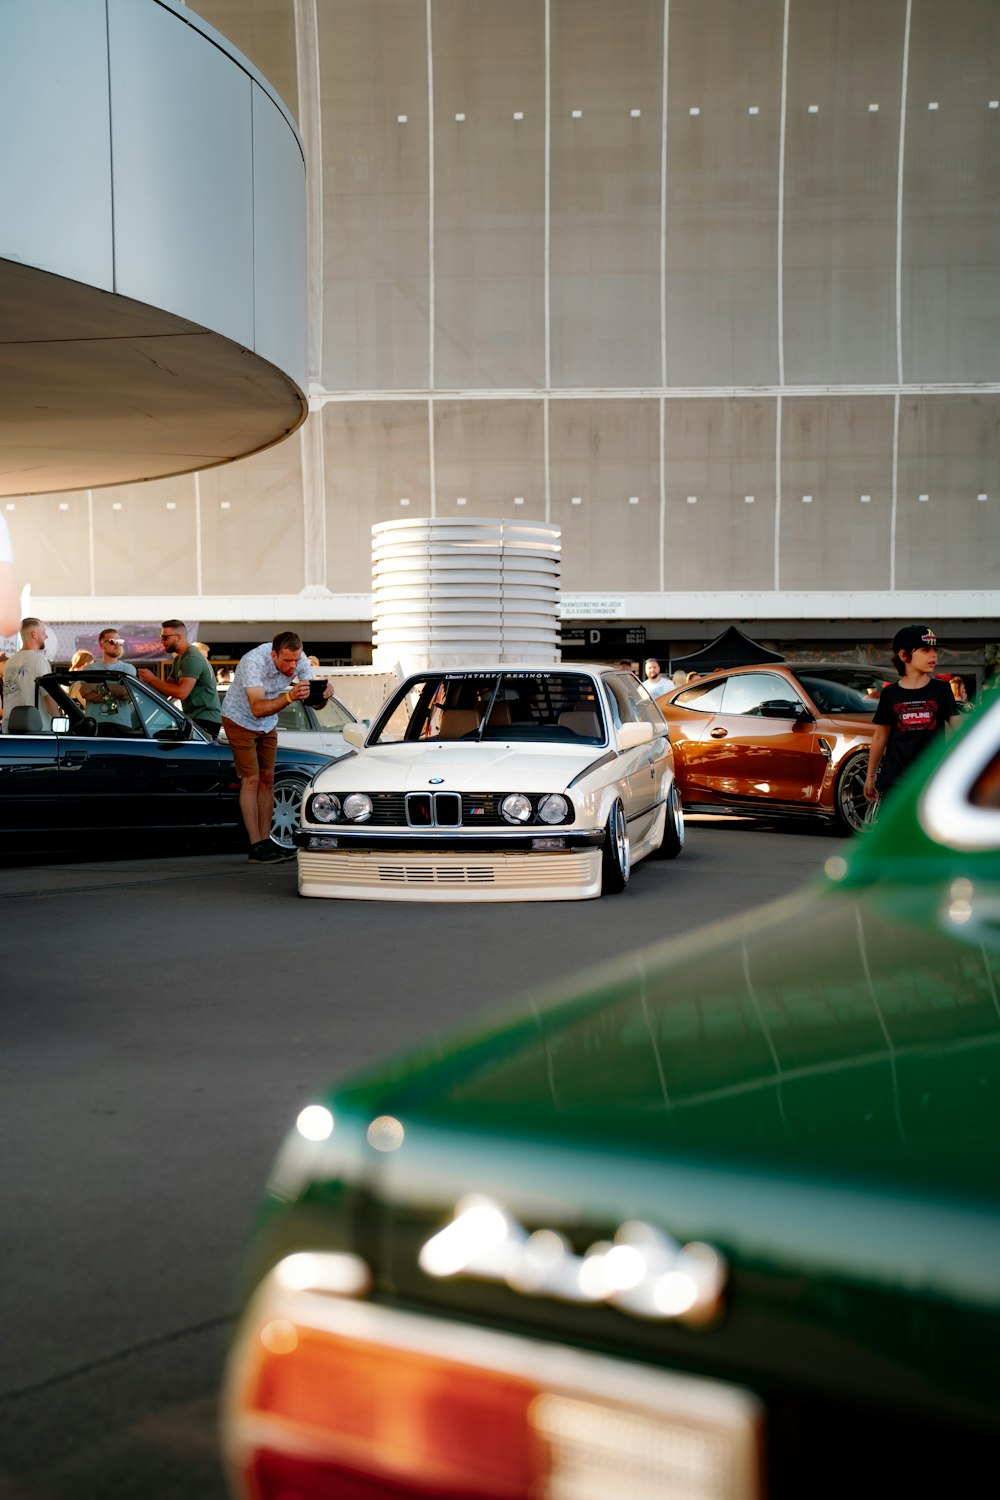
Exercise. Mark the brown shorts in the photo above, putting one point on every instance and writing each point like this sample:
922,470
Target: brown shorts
253,751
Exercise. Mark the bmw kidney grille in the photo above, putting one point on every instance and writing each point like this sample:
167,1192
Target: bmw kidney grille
434,810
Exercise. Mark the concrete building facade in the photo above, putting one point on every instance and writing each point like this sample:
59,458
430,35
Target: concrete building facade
714,285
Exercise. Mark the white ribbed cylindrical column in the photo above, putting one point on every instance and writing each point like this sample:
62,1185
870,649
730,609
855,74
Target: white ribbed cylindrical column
464,592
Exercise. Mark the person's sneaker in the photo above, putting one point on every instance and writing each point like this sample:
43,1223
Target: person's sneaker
265,853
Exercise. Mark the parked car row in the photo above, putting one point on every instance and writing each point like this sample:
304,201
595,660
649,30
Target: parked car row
490,784
722,1220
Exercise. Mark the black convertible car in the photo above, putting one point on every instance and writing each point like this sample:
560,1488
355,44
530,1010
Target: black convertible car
99,753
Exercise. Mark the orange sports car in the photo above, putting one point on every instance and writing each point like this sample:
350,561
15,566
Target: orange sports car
771,740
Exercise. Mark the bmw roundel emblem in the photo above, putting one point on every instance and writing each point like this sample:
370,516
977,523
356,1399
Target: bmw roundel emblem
436,781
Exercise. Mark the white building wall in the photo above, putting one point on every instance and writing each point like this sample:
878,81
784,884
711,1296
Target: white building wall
714,285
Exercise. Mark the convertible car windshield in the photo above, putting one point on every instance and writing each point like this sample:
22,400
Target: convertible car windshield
516,707
107,706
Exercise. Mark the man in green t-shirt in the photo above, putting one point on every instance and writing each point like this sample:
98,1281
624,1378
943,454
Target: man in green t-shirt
190,681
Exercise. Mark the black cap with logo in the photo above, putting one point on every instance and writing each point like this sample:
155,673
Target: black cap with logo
914,638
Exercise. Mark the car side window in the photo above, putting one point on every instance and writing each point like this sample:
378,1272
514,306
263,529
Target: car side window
622,710
986,790
835,697
644,707
704,697
745,694
155,718
960,804
111,709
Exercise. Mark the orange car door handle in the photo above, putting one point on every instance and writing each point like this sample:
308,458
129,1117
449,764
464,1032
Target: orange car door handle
718,734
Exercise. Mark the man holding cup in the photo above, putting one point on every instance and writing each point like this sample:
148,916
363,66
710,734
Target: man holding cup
266,680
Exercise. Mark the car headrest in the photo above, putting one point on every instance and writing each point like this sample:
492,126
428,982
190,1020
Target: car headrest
581,721
24,718
458,721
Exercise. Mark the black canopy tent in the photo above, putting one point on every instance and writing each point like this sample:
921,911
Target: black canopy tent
731,649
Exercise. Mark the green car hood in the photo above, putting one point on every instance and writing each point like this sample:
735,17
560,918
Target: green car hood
866,1042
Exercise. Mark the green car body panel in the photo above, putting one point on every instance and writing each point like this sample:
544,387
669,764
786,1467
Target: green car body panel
813,1089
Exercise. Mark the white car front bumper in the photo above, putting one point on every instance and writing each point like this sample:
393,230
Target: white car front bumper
442,875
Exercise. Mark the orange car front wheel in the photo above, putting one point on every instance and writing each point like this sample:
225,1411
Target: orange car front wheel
851,808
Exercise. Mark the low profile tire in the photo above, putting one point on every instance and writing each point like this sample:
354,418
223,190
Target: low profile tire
852,810
287,809
673,826
616,860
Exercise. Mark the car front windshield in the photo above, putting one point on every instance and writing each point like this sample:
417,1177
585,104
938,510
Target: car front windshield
533,707
835,697
333,715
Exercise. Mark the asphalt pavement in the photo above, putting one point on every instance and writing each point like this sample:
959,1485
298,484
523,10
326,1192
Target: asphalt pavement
162,1021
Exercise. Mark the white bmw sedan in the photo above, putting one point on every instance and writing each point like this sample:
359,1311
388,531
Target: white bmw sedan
495,784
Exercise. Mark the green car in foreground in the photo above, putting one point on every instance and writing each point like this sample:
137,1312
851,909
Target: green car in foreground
720,1222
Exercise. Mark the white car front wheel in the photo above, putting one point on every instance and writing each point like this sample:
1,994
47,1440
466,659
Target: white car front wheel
616,861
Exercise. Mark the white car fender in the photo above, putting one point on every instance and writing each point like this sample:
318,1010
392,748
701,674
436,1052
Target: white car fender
609,797
597,792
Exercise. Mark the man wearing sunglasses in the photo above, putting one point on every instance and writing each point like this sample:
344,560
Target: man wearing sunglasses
190,681
111,701
112,649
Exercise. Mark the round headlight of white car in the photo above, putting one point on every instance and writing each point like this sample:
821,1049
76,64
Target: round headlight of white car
324,808
357,807
516,808
553,809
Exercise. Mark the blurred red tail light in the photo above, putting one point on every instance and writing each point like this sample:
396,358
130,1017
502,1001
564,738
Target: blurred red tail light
405,1413
331,1399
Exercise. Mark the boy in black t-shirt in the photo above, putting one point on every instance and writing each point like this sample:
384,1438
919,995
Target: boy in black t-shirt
910,712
